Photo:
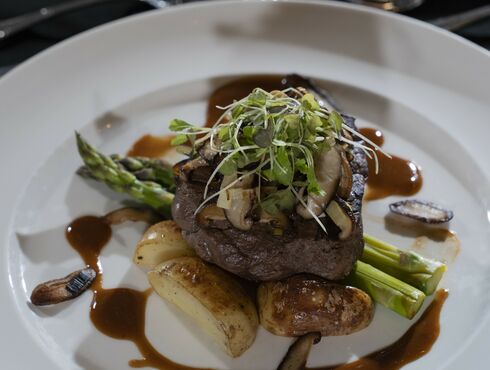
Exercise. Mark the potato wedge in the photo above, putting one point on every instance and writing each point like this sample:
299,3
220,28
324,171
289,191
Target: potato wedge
303,304
212,297
161,242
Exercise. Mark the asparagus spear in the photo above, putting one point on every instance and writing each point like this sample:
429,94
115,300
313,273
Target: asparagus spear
386,290
410,267
385,287
146,169
118,178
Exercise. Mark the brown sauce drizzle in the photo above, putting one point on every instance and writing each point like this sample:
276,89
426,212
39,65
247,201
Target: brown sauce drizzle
156,146
236,90
118,313
150,146
396,175
415,343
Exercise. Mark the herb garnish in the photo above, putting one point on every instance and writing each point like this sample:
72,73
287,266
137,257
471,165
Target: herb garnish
276,136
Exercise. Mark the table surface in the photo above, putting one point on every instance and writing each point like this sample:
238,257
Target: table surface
28,43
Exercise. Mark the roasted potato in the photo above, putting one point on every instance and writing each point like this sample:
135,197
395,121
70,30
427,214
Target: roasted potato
212,297
303,304
161,242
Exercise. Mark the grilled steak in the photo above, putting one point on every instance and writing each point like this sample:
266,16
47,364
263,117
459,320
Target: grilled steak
257,254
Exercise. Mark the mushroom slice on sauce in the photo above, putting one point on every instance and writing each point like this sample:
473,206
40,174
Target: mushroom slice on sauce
298,352
327,172
427,212
133,214
341,218
241,203
64,289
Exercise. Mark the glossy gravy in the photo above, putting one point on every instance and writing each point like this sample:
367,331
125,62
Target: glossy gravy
396,175
150,146
415,343
156,146
118,313
236,90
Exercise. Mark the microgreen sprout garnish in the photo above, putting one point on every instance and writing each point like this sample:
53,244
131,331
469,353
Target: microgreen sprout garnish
275,136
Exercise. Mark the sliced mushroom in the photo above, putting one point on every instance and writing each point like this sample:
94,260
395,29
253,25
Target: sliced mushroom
210,215
241,203
298,352
60,290
278,221
193,164
345,183
184,169
341,218
207,152
134,214
327,171
427,212
244,183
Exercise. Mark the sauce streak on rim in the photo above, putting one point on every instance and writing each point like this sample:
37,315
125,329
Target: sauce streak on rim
118,313
236,90
156,146
150,146
415,343
396,176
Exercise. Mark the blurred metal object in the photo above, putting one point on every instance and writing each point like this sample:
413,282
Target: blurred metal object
458,21
390,5
14,25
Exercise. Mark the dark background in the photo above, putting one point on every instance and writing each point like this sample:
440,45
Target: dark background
23,46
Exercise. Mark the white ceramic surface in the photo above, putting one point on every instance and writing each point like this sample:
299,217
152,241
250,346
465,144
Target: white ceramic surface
427,89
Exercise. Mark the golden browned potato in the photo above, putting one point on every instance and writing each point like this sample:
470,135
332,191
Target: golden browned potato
161,242
302,304
212,297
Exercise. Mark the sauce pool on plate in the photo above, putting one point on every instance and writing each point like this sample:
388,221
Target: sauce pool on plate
150,146
415,343
118,313
395,176
156,146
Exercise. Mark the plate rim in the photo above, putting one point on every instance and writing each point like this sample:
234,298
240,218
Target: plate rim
155,13
193,4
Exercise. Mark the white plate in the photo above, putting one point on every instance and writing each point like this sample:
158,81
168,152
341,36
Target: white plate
429,91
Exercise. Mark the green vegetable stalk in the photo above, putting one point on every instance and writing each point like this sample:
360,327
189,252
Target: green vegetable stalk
145,169
386,290
119,178
410,267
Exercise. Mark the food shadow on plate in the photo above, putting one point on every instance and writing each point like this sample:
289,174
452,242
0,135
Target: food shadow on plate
50,242
81,188
88,350
411,228
52,310
109,120
191,327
